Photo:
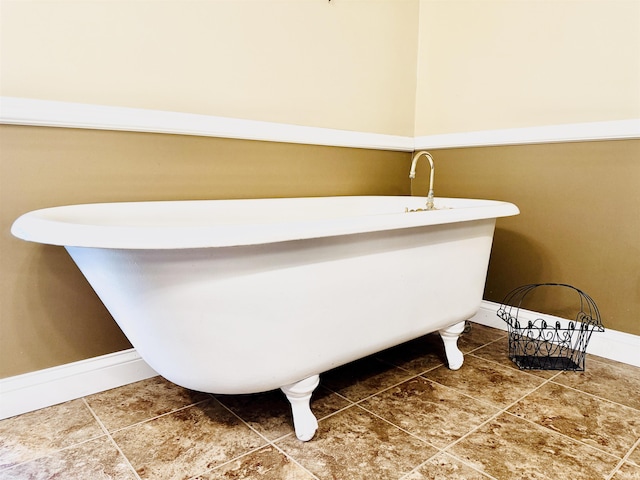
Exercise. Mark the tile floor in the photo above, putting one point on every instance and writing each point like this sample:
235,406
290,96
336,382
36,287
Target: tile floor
400,414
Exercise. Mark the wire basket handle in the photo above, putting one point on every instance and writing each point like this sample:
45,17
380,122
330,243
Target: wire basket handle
513,301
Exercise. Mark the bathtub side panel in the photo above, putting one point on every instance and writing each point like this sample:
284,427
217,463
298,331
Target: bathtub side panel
249,319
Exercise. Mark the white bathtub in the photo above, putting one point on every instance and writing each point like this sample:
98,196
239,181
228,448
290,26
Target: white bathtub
243,296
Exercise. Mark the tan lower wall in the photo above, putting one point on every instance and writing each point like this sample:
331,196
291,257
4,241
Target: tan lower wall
49,315
579,221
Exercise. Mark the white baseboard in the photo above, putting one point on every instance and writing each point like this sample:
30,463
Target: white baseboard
611,344
43,388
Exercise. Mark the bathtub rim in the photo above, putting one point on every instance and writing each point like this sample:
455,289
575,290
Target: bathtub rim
56,225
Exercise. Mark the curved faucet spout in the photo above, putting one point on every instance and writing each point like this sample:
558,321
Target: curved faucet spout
412,174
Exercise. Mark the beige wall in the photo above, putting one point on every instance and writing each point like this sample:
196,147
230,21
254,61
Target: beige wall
347,64
50,315
400,67
495,64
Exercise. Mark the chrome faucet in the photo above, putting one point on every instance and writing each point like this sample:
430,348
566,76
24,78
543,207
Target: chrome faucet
412,175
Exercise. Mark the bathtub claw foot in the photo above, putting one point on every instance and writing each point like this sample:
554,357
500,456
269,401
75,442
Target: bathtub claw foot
450,336
299,395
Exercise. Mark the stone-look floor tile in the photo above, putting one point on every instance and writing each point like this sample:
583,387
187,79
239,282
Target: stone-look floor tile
354,444
269,413
96,460
186,443
437,414
445,467
511,448
627,472
596,422
266,464
140,401
619,383
478,336
44,431
416,356
486,381
498,352
362,378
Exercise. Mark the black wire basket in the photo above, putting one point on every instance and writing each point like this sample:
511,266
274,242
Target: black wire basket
538,345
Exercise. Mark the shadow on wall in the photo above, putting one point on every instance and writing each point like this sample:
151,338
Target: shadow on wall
515,260
518,260
52,290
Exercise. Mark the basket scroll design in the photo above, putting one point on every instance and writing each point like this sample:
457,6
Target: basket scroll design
539,345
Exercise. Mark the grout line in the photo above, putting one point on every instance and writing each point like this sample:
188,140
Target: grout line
464,462
562,434
554,377
597,397
231,460
505,410
51,453
514,367
493,417
439,450
450,455
593,395
242,420
95,416
631,450
624,460
401,428
408,379
387,362
351,404
458,392
295,461
117,430
271,443
421,465
338,394
484,345
111,439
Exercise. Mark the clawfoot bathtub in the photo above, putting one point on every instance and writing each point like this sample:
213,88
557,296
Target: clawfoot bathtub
244,296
